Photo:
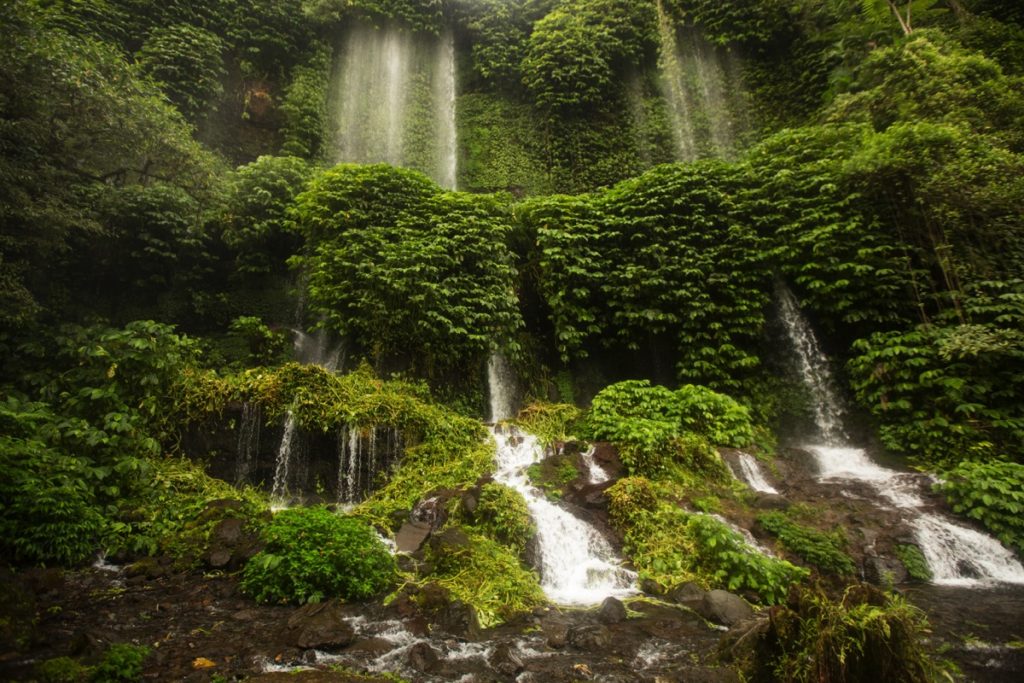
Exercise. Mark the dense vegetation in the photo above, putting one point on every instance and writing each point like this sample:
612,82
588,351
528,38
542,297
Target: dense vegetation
170,208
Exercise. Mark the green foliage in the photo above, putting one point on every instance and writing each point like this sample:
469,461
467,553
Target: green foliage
61,670
824,550
265,345
424,275
946,393
442,449
750,22
666,255
81,122
671,546
654,427
417,15
504,147
186,60
501,515
312,554
487,575
305,107
914,562
867,635
256,219
122,663
991,493
49,512
551,423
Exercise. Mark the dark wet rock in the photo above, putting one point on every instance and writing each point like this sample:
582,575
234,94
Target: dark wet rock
612,611
374,647
320,626
422,657
451,616
883,571
43,580
742,640
506,660
769,501
411,536
315,677
723,607
651,587
17,615
231,544
147,568
449,541
595,638
688,594
470,500
556,629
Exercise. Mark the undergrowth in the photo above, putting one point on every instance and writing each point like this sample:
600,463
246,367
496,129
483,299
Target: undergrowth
821,549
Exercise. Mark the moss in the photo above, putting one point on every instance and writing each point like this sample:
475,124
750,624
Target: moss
501,515
821,549
914,562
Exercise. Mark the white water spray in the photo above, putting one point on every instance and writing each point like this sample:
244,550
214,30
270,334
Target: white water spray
390,82
751,474
595,473
956,554
500,388
578,565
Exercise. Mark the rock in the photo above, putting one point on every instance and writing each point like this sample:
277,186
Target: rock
411,536
688,594
216,508
422,657
557,632
723,607
769,501
652,587
885,572
460,620
146,568
506,660
595,638
470,502
218,559
320,626
230,544
448,541
612,611
743,639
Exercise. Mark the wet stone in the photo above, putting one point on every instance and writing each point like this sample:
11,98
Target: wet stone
422,657
506,660
612,611
595,638
320,626
722,607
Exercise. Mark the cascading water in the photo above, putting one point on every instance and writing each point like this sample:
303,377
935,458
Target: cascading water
595,473
750,473
703,90
956,554
394,100
577,564
500,388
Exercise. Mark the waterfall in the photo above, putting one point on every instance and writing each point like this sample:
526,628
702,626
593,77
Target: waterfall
316,349
814,369
444,95
362,455
577,564
703,91
956,554
595,473
751,475
394,100
279,490
500,388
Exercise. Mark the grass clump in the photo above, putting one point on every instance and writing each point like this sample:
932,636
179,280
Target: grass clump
821,549
122,663
867,635
312,554
914,562
551,423
501,514
484,574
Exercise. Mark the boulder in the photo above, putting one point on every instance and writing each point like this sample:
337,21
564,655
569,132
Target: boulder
612,611
506,660
423,658
319,626
557,631
411,536
723,607
596,638
688,594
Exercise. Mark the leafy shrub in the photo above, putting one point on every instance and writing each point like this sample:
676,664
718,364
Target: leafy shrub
821,549
61,670
186,60
312,553
865,636
991,493
649,425
549,422
671,546
488,576
502,515
122,663
48,510
914,562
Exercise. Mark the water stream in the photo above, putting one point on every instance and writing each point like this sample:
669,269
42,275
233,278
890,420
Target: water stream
957,555
394,100
501,388
577,564
750,473
703,90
